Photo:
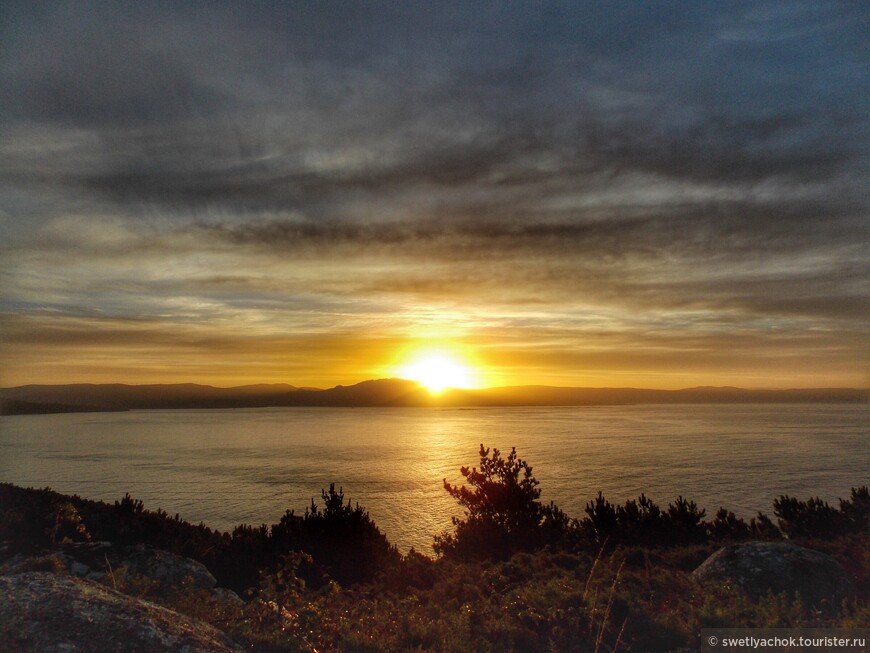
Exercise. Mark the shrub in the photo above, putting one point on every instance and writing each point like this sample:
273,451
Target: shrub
641,521
856,509
810,518
728,526
763,528
601,519
342,539
503,513
68,526
817,518
685,522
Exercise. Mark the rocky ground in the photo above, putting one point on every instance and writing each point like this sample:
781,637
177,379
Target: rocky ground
71,600
49,613
74,599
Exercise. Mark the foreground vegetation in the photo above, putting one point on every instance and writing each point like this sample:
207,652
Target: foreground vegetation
513,574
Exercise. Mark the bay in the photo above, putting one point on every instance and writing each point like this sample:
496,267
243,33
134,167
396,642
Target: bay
226,467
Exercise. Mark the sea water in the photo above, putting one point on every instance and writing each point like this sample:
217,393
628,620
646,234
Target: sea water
226,467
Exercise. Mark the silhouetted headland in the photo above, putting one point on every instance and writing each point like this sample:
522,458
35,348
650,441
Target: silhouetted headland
38,399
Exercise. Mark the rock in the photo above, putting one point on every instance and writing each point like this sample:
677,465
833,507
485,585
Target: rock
95,560
227,596
41,612
170,570
19,563
13,565
760,567
79,569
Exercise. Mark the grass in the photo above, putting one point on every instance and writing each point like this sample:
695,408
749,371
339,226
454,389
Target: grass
626,599
545,601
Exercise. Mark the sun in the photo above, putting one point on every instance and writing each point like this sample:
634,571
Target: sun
437,372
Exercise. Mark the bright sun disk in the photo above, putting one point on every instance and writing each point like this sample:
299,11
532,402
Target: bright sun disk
437,373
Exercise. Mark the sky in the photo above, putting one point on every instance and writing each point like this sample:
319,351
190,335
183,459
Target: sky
658,195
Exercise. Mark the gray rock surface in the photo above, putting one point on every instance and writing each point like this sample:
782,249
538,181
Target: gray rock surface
760,567
94,560
41,612
167,568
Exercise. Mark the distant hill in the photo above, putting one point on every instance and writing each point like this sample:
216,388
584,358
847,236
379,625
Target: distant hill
16,407
35,399
116,396
554,396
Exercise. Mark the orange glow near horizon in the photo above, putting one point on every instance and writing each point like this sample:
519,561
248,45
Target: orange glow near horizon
109,350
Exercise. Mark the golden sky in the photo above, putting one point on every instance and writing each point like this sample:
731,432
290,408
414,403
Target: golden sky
551,194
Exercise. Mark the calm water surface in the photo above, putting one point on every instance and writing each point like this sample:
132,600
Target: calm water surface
225,467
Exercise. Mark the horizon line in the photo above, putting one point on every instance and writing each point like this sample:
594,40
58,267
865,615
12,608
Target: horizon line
444,390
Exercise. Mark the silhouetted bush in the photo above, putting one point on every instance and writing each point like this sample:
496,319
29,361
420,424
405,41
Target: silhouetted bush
343,540
641,521
685,522
728,526
503,513
807,518
816,518
763,528
856,509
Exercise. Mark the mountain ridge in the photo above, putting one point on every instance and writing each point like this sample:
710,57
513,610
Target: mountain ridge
80,397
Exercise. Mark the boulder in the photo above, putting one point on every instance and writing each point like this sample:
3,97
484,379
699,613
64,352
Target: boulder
41,612
170,570
762,567
95,560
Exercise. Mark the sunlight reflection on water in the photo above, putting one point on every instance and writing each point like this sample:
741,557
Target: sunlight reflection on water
225,467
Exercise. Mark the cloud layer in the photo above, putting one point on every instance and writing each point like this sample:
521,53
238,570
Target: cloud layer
660,195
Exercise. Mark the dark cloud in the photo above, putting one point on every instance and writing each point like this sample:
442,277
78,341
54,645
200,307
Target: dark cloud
719,231
222,107
314,161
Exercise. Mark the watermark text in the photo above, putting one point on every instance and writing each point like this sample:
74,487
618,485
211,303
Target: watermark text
801,640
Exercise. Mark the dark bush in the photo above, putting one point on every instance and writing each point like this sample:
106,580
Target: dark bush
641,522
728,526
808,518
817,518
763,528
503,513
685,523
342,539
856,510
68,527
601,523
